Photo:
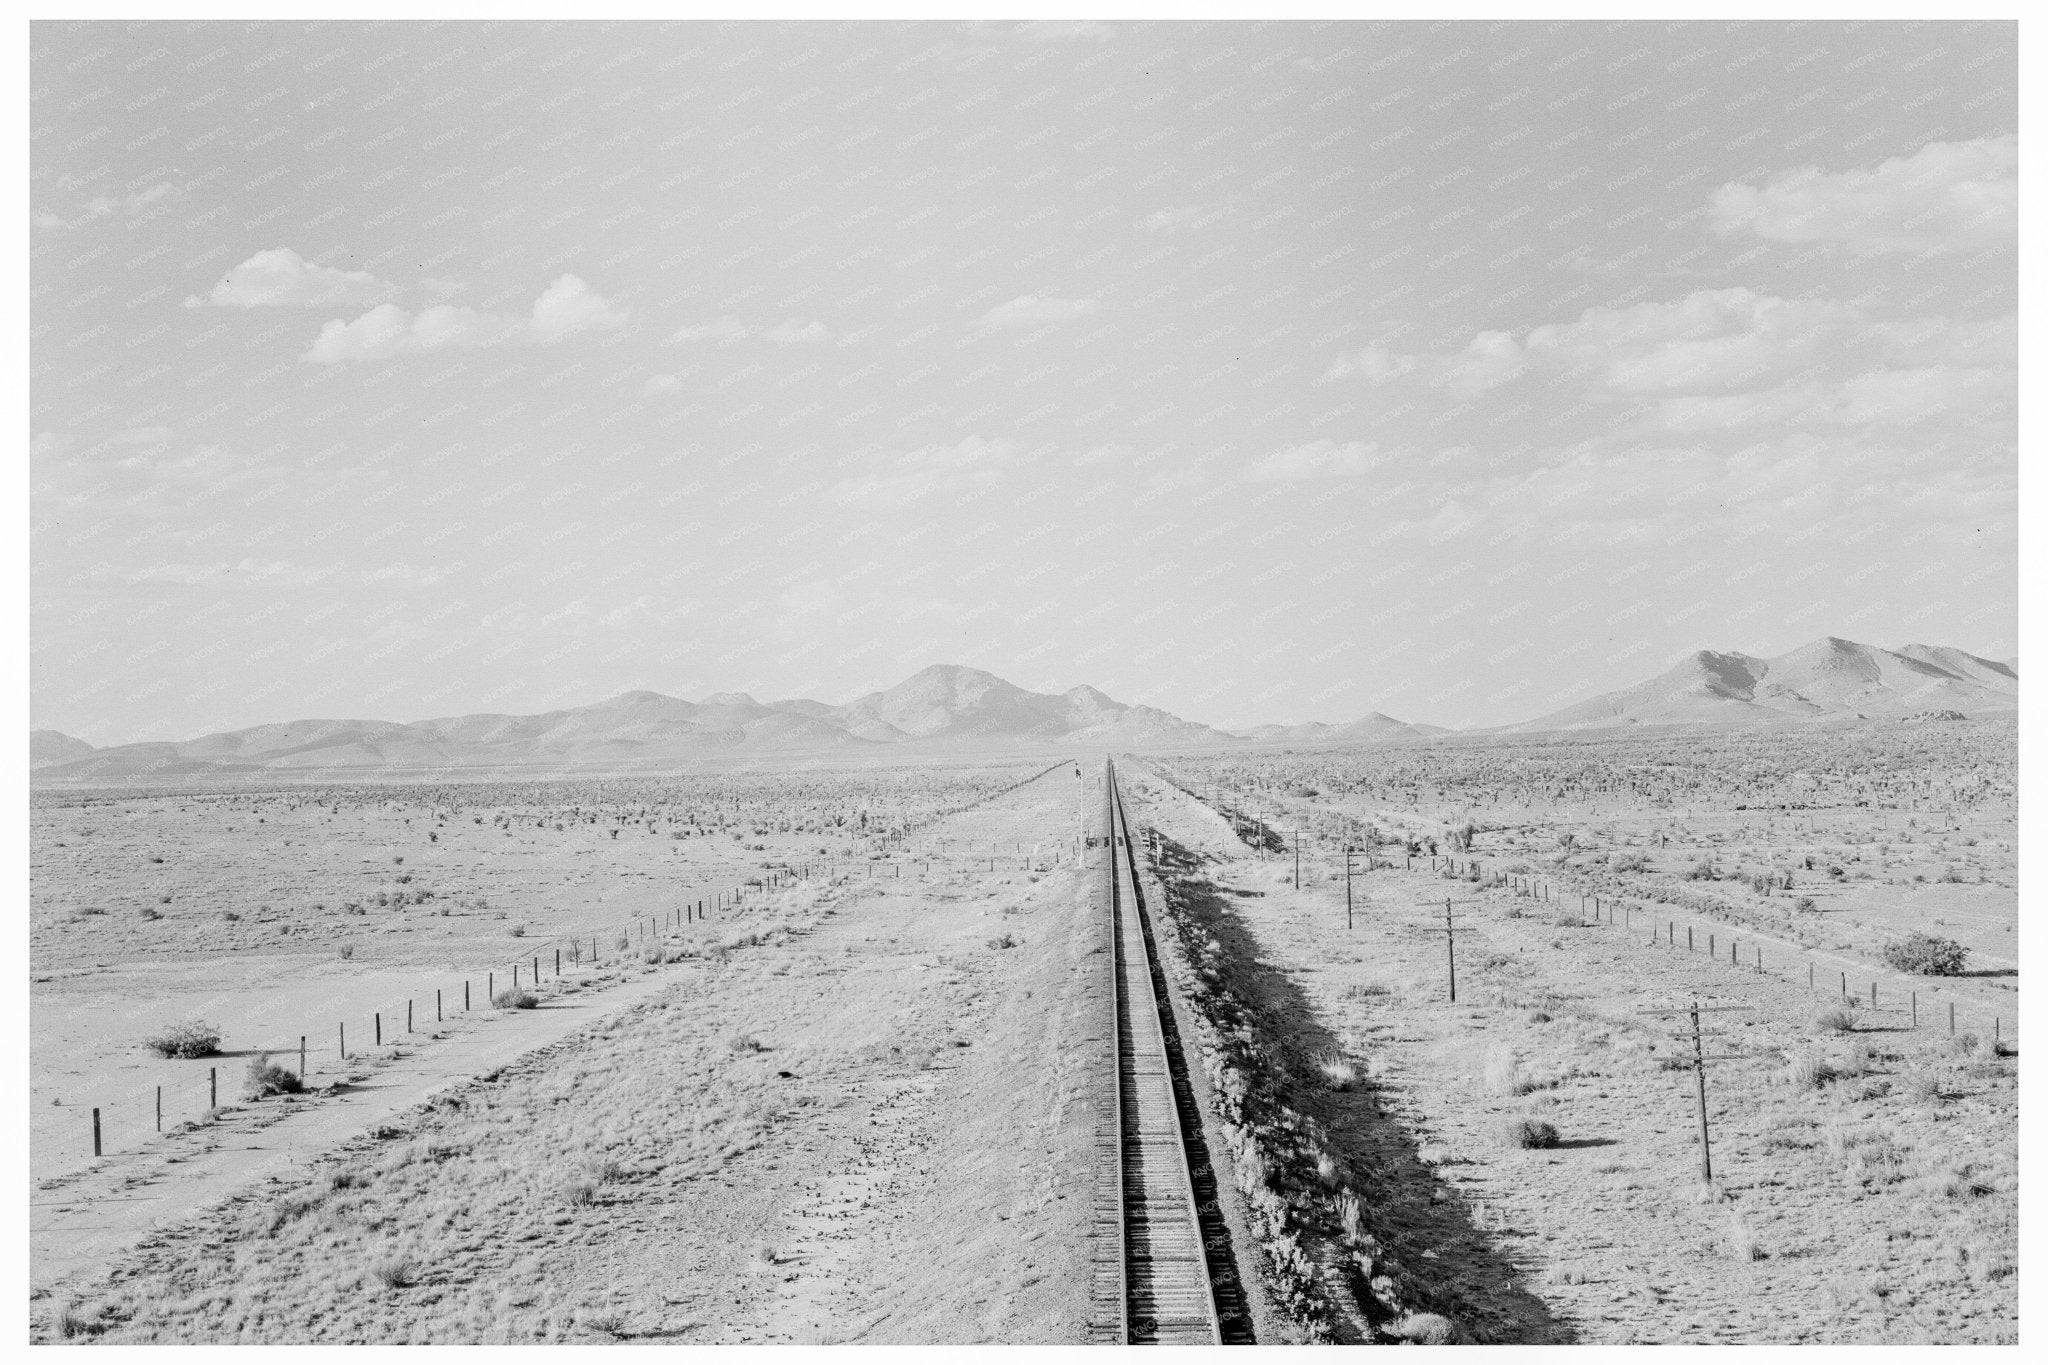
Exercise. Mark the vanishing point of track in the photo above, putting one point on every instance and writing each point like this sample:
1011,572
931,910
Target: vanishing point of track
1165,1290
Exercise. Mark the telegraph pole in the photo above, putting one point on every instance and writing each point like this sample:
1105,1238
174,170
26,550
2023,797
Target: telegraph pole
1700,1058
1450,944
1347,885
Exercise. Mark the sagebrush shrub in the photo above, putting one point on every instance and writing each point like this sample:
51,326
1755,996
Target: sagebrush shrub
1528,1132
515,1000
1926,955
194,1038
1834,1019
266,1078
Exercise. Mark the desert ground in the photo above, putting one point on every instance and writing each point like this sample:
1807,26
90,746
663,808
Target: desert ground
860,1099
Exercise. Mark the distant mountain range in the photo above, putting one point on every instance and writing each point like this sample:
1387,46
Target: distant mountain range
1828,679
944,706
947,707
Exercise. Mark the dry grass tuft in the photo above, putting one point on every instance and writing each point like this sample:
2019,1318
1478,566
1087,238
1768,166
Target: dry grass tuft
1808,1070
395,1272
606,1324
1503,1072
1426,1329
1742,1240
1352,1216
1339,1072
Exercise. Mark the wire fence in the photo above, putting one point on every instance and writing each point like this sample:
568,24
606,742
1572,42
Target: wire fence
339,1053
1825,976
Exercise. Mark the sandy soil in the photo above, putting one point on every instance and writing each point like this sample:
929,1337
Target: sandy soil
238,907
873,1124
1880,1205
1879,831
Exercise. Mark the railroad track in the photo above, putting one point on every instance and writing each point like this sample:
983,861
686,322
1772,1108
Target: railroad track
1165,1235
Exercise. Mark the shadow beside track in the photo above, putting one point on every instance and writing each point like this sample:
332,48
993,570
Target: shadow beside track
1408,1207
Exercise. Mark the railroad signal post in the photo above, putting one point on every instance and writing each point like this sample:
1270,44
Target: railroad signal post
1699,1060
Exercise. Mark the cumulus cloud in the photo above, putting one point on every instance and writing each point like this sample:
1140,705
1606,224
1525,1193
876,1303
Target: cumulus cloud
661,383
1489,361
791,333
1376,364
1029,310
1948,196
1104,454
965,468
565,308
1167,220
1710,339
1732,359
281,278
1323,459
110,206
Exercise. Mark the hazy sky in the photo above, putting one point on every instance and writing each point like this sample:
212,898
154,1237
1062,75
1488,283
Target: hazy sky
1258,372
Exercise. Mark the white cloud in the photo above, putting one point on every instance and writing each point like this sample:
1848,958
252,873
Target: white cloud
1948,196
109,206
661,383
565,308
1897,397
1323,459
725,329
1492,359
1710,339
1029,309
281,278
792,332
1376,364
388,330
1732,357
49,444
1167,220
1107,454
